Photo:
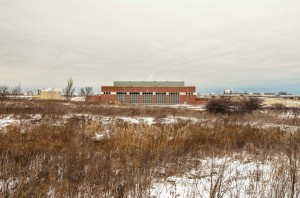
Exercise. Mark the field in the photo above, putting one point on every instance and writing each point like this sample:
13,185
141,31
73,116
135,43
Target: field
77,149
285,102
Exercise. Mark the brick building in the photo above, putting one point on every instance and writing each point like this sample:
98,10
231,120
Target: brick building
148,93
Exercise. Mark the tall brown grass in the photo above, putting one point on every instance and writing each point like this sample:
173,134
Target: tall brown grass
67,161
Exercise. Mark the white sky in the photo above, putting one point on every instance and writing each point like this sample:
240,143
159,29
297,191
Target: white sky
213,44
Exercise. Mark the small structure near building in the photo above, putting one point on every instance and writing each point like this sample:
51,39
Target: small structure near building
290,97
50,94
228,91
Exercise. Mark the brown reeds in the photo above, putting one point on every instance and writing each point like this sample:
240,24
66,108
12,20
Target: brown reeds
68,161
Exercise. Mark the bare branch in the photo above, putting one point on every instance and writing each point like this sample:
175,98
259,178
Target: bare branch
69,90
4,91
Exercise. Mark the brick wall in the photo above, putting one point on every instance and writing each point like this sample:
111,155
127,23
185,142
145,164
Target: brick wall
147,89
110,94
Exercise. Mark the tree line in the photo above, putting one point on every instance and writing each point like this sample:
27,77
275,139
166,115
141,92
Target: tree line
68,91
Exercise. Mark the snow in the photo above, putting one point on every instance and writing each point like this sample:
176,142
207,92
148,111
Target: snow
290,115
8,121
151,120
184,106
12,120
8,184
231,177
137,120
132,120
173,119
99,137
37,117
106,121
238,175
78,99
51,192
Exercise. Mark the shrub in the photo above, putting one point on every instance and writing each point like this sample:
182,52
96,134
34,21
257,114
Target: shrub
235,105
279,107
251,103
219,105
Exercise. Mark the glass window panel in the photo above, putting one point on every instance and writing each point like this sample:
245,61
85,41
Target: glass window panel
173,98
134,97
121,97
161,98
147,98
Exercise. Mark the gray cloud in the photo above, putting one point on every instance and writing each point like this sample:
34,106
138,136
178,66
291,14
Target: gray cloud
213,44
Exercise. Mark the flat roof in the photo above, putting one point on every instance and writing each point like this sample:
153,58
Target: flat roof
149,83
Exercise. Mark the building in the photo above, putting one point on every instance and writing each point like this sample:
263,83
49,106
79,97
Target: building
50,94
231,93
148,93
290,97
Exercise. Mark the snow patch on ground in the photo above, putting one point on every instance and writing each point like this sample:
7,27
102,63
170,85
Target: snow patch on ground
191,107
99,137
8,184
290,115
8,120
31,120
230,177
151,120
132,120
78,99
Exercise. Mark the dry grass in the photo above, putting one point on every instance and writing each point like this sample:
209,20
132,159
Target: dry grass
64,107
65,161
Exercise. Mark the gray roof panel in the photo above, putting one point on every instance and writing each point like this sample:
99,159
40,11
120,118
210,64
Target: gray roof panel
149,83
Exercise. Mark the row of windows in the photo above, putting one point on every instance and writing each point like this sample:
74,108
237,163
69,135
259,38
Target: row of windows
134,98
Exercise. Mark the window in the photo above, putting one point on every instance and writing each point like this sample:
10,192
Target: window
134,97
121,97
147,98
106,93
173,98
160,98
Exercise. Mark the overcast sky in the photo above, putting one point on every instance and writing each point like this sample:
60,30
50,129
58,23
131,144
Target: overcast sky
213,44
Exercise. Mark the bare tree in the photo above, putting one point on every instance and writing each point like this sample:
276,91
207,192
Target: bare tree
16,90
69,91
86,91
3,92
29,92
